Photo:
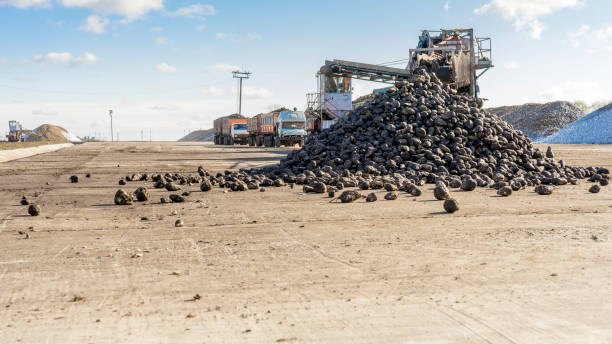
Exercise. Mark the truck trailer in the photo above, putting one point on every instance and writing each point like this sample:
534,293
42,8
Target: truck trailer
231,130
276,128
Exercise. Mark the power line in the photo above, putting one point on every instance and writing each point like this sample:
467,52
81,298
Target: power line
394,62
240,75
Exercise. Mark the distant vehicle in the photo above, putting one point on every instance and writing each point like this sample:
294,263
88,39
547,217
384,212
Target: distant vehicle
276,128
16,132
231,130
239,133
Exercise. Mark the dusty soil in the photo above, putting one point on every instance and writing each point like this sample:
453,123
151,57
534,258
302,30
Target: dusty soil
284,267
16,145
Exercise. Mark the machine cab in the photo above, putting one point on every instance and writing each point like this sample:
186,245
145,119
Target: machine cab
337,94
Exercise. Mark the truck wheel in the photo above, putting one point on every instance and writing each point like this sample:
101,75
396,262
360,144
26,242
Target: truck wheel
301,142
231,141
277,142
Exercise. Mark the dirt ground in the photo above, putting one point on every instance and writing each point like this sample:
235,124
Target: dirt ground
14,145
285,267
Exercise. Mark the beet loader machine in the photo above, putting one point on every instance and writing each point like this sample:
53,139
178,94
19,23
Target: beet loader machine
456,56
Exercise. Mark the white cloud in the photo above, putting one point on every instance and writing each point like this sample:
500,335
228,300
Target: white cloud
25,3
256,93
224,67
446,6
64,58
214,91
512,65
43,112
586,91
194,11
3,60
160,40
253,36
200,28
95,24
247,92
156,29
53,58
130,9
597,39
234,37
86,58
166,68
577,35
527,12
164,107
604,33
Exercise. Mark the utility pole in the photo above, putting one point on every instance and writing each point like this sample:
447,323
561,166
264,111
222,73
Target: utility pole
110,113
240,75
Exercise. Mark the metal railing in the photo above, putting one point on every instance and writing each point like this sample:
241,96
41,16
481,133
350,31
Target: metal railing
483,52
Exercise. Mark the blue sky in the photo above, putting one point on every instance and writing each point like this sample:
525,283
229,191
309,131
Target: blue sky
164,66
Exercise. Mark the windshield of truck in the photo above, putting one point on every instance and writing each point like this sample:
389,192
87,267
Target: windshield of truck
294,125
240,126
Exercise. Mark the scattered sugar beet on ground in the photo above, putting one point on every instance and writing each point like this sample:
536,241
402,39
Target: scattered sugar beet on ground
261,260
415,133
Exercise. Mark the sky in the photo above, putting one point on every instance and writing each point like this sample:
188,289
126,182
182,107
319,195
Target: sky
164,66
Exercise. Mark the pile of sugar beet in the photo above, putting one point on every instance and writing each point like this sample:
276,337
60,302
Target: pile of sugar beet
414,133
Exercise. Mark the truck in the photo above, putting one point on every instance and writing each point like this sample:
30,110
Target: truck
276,128
230,130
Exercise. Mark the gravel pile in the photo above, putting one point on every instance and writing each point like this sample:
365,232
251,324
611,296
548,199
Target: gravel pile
594,128
198,136
539,120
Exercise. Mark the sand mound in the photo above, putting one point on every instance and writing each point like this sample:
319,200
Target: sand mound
594,128
49,133
539,120
199,135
